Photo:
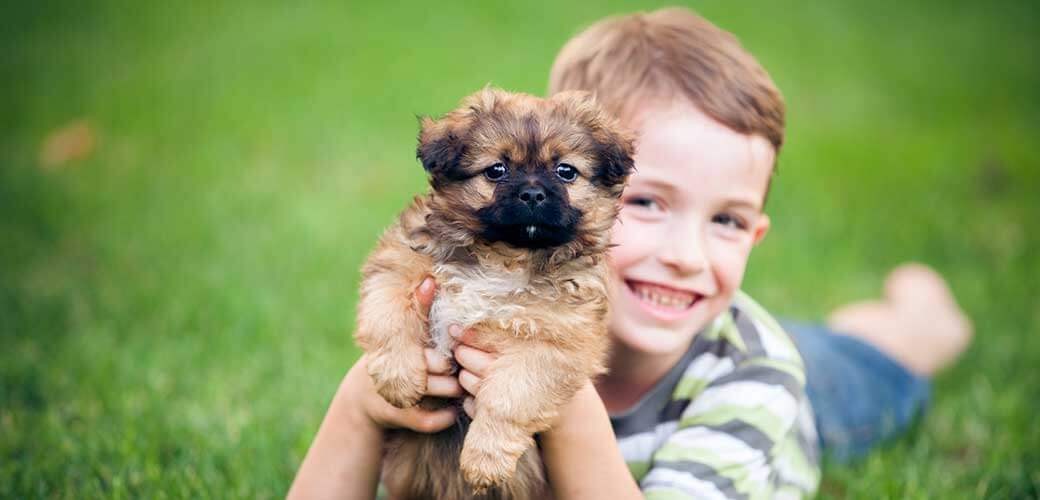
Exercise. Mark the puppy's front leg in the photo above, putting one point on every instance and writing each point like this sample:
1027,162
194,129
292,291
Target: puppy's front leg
519,396
391,325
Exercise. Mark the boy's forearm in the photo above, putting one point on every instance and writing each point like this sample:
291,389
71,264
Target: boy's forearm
581,453
344,459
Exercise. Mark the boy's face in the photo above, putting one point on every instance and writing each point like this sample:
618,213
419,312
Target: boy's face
690,215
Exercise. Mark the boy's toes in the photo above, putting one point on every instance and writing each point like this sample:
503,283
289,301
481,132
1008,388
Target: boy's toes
914,283
919,290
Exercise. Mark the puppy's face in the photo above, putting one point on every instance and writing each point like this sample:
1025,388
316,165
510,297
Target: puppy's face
533,173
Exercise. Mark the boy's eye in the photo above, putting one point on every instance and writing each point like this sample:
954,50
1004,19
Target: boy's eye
728,220
643,202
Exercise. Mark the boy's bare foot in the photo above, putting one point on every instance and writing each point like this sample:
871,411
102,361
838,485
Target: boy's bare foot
917,322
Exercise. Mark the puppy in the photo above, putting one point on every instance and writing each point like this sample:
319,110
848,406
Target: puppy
515,231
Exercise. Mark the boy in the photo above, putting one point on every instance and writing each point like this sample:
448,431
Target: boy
707,396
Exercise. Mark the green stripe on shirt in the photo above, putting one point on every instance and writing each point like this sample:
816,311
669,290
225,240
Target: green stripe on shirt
737,418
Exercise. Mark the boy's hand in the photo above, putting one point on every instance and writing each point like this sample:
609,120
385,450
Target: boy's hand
360,393
473,365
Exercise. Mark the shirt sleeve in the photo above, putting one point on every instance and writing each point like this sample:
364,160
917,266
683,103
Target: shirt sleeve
736,439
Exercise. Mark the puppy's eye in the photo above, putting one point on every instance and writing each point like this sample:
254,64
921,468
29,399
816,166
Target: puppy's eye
566,172
496,172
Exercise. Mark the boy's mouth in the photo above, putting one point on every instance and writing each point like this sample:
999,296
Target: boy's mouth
662,297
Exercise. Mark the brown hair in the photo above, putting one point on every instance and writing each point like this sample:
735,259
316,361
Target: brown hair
670,53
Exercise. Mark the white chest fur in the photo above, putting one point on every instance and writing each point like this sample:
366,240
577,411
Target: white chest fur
467,295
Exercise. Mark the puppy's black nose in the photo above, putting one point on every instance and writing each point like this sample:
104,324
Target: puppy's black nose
532,195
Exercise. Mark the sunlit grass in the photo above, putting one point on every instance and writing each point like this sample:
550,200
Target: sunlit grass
176,308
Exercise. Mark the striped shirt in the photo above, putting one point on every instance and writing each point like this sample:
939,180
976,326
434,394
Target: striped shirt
730,420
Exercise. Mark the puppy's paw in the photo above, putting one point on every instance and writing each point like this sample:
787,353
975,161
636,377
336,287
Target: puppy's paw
482,469
485,466
399,377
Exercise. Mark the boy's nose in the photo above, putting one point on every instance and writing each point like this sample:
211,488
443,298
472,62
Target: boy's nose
684,252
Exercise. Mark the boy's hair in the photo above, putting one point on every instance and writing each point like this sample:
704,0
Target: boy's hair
671,53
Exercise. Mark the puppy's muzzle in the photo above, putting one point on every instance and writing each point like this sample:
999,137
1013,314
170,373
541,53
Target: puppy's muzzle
533,196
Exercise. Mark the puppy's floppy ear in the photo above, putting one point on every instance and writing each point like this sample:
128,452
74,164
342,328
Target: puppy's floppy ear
443,142
441,145
614,146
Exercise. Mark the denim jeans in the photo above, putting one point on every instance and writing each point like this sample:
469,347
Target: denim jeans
860,395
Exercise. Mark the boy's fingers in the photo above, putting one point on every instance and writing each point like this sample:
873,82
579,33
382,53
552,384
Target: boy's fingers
424,292
443,386
467,336
469,382
473,359
429,422
462,336
436,362
469,405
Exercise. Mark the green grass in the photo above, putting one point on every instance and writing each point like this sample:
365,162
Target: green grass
175,310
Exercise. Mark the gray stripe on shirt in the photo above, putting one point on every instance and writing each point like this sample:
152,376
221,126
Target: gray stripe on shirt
699,471
749,434
764,374
750,335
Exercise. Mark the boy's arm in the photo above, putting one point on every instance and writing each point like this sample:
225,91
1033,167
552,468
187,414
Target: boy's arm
344,459
581,454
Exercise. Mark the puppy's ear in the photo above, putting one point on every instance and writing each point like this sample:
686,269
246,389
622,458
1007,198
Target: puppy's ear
613,145
441,145
615,148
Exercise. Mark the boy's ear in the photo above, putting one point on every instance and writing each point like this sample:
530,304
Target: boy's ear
761,228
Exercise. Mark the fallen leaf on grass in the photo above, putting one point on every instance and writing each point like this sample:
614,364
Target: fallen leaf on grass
74,141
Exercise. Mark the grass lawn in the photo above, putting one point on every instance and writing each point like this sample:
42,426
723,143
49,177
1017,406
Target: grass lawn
176,307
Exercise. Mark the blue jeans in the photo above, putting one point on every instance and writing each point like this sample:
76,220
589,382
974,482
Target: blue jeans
860,395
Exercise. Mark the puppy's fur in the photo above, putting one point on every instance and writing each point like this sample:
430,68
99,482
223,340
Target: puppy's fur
514,230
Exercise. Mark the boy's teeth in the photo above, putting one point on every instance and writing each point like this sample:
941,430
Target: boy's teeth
666,298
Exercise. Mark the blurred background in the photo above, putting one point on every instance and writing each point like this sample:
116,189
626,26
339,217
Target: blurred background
187,192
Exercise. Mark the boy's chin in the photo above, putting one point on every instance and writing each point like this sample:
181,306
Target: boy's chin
652,339
648,335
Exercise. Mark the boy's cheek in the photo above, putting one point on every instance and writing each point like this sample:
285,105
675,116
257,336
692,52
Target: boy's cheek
626,246
730,272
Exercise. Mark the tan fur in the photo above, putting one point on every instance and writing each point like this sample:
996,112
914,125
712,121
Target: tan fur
543,310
